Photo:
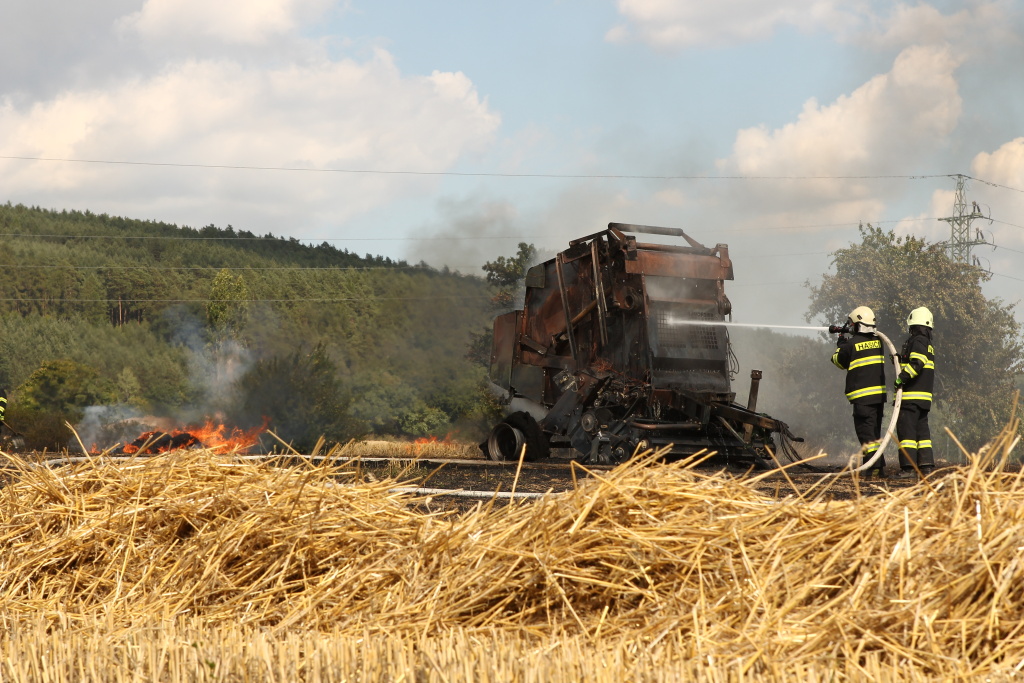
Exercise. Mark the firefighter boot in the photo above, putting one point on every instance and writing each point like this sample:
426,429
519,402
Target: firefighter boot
877,473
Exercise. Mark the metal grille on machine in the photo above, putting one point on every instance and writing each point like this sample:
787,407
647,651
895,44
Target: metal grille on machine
673,332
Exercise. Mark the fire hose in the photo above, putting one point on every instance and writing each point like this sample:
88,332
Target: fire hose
895,412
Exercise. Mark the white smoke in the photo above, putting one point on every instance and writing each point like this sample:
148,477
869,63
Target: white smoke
214,365
105,426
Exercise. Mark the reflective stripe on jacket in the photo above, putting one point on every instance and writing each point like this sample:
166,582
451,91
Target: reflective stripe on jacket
917,369
862,357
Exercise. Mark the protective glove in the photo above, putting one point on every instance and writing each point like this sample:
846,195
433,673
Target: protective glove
898,384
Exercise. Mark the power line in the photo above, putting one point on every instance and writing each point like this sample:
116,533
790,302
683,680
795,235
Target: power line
570,176
272,240
200,300
763,284
764,256
991,184
1015,251
1012,225
814,226
302,240
52,300
299,169
219,268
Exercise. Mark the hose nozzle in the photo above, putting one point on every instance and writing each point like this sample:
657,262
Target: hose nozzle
840,329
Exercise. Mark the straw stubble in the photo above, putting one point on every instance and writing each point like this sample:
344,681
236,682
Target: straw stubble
646,566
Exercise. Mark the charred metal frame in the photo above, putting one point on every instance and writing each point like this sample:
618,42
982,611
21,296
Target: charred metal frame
640,363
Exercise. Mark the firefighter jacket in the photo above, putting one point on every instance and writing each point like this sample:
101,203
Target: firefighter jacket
862,357
917,367
3,404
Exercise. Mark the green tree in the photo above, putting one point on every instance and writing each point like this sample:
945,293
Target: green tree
374,316
979,353
129,389
302,398
424,420
505,274
228,308
66,387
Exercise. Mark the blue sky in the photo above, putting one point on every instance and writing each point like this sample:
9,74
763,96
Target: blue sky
530,121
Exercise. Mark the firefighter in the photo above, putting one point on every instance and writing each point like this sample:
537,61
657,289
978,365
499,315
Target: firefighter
862,357
917,377
3,404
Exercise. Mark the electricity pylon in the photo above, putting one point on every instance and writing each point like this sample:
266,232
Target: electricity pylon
961,240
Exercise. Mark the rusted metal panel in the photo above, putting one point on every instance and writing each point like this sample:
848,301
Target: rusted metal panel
503,346
679,265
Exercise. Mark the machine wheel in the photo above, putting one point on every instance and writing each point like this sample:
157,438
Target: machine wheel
505,442
508,437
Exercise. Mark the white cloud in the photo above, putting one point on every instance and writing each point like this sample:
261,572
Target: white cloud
890,125
977,28
685,23
343,114
1004,166
46,44
246,22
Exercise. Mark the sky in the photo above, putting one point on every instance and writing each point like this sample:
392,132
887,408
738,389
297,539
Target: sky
447,132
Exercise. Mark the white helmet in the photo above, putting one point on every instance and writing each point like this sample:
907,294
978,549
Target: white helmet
863,315
920,316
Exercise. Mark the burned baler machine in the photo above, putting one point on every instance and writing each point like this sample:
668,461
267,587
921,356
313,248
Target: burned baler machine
616,349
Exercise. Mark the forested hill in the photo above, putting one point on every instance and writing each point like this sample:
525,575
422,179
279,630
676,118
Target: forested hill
158,319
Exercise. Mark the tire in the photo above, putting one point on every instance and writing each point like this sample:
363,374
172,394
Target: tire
508,437
504,442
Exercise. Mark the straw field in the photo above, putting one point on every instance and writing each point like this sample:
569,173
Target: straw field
197,566
421,448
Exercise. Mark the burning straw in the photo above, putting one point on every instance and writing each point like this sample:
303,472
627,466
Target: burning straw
643,566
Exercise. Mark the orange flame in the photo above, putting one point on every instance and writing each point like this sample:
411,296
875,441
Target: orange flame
161,442
416,447
211,435
218,437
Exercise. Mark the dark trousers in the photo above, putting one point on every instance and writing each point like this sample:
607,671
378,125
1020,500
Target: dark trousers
867,423
915,436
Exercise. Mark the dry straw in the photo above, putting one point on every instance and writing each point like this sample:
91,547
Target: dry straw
645,567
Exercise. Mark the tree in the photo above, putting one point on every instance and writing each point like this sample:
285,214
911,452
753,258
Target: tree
505,275
302,398
228,308
373,315
58,391
979,353
66,387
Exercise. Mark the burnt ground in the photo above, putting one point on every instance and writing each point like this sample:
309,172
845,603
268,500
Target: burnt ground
556,474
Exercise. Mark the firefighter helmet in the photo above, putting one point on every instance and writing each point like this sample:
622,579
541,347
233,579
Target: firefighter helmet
920,316
863,315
